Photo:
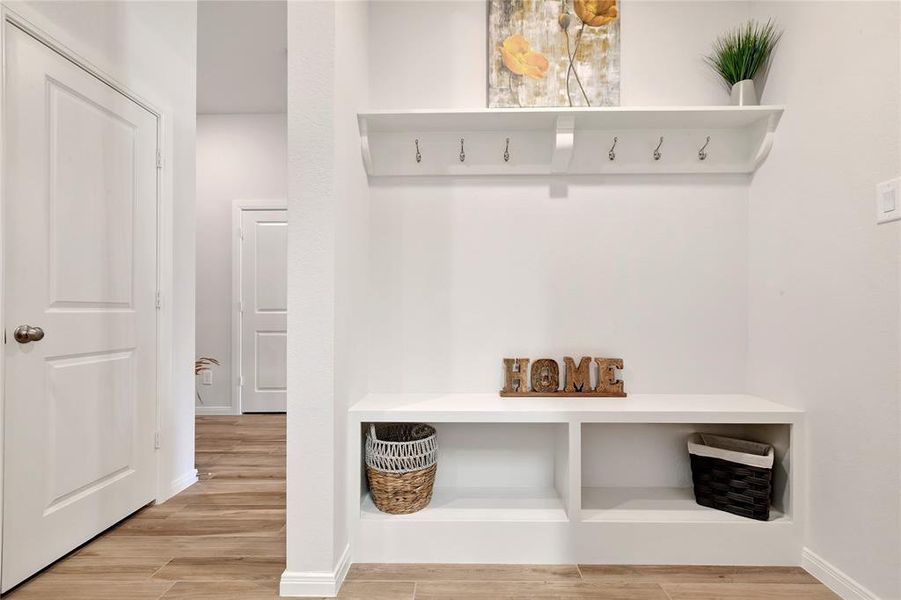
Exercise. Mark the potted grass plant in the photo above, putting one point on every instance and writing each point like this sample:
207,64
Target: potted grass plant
740,55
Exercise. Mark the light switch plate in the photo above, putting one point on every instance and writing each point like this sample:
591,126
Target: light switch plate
888,201
206,377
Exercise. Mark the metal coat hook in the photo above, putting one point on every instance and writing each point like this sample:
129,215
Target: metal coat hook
462,153
418,153
507,151
612,155
702,153
657,149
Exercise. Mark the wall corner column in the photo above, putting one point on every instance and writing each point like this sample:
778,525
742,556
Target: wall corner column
315,558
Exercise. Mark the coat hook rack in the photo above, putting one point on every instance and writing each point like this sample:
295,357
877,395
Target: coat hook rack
462,153
612,154
418,153
507,151
702,153
657,154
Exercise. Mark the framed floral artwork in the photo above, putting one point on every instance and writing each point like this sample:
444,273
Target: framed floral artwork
553,53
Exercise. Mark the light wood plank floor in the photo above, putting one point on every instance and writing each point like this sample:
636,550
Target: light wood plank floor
224,539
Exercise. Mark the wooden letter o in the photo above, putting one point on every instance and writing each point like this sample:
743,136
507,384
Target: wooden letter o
545,376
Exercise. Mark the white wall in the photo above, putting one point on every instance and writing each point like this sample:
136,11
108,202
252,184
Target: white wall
241,156
465,272
824,277
352,230
327,242
150,48
241,57
311,443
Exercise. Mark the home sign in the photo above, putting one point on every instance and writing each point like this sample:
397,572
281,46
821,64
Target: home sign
543,378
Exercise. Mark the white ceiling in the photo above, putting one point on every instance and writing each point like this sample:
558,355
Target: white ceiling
241,56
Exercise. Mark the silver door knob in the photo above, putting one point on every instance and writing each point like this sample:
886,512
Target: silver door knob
26,333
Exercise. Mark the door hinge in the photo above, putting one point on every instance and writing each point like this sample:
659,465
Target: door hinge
159,301
240,233
240,307
159,159
240,381
156,440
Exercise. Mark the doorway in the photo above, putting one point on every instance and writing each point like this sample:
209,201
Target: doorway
259,265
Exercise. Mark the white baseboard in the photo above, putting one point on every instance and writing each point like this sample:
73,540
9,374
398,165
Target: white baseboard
179,485
300,584
214,411
834,578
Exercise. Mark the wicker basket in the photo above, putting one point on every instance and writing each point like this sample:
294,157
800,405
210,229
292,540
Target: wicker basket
401,460
732,475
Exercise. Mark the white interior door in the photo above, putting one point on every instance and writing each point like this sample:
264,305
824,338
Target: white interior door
80,263
263,306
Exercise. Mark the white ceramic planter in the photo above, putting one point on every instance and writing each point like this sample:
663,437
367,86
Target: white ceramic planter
744,93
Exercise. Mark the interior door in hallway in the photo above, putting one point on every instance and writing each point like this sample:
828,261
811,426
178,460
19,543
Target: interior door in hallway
263,308
80,214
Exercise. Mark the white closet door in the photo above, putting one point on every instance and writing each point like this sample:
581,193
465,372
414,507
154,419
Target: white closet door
264,310
80,264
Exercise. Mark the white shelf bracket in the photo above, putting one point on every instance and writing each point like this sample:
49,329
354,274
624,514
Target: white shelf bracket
766,143
364,145
563,143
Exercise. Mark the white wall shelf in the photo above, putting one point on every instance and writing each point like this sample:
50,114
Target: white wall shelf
635,408
489,504
546,141
560,480
652,505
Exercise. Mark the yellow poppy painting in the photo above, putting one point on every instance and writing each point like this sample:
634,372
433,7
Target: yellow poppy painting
553,53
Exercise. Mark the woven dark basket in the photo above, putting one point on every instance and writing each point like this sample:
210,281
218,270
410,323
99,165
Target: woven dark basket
732,487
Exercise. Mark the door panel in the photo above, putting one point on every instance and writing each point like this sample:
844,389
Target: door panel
271,265
271,360
80,211
264,304
100,183
87,419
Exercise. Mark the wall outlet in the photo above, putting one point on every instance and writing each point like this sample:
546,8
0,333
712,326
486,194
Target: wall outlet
888,201
206,377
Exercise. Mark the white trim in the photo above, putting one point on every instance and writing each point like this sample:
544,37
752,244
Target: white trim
52,36
178,485
238,206
165,284
306,584
2,270
57,39
209,410
834,578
